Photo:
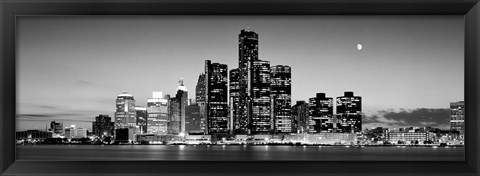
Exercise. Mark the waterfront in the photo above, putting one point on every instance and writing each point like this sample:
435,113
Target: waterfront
237,153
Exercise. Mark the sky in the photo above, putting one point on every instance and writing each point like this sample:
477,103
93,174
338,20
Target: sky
71,68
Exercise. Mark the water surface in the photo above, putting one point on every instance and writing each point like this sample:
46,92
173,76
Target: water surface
237,152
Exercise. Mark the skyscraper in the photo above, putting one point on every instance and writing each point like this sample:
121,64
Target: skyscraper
157,114
192,119
261,120
103,125
281,93
300,117
216,97
141,114
200,89
239,125
200,97
349,113
248,53
174,116
182,96
125,115
321,114
457,117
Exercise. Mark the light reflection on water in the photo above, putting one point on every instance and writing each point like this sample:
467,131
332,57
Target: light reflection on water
237,152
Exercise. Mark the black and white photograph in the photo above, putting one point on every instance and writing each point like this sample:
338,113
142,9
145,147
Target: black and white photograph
240,88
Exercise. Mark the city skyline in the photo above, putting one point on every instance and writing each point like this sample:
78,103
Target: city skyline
67,79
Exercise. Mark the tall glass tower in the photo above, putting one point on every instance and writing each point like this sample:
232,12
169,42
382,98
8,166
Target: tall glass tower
281,93
182,95
157,114
261,118
216,97
237,122
248,53
125,115
200,97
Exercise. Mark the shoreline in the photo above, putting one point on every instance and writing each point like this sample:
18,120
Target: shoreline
301,145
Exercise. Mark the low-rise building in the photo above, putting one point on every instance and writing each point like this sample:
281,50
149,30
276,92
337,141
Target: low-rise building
33,135
407,137
73,132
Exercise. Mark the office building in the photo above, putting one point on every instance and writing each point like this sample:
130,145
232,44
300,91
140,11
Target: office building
248,53
216,82
174,116
33,135
407,137
56,128
261,121
349,113
157,114
457,117
126,135
321,114
200,97
103,126
73,132
193,120
125,111
239,124
182,96
281,93
300,116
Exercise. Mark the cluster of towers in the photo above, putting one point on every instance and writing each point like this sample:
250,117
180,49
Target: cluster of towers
254,98
162,115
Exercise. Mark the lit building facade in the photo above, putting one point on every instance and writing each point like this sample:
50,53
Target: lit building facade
157,114
261,121
216,97
457,117
321,114
103,125
408,137
73,132
33,135
300,116
323,138
125,115
239,125
281,97
248,53
141,114
349,113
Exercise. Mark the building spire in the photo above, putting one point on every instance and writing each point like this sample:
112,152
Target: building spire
181,82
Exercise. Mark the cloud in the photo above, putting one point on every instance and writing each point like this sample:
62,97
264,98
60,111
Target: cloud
409,117
44,115
51,117
46,107
85,83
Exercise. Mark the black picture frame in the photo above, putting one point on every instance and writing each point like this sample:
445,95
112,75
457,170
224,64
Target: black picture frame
10,9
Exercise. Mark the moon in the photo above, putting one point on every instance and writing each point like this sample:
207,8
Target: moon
359,46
